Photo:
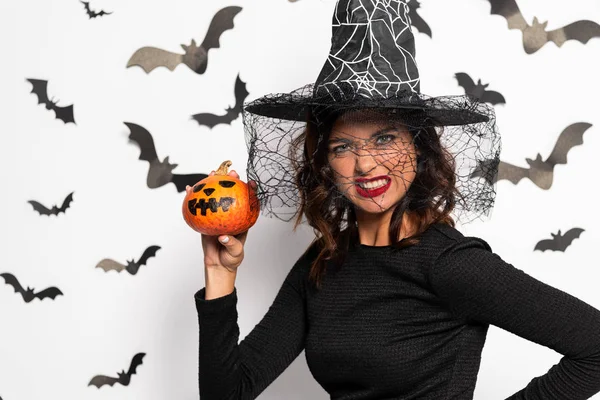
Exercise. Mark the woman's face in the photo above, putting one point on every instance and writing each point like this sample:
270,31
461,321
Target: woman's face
373,163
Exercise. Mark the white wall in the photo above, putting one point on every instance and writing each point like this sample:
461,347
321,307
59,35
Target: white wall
50,349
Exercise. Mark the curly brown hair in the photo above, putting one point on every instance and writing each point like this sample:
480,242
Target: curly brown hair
430,198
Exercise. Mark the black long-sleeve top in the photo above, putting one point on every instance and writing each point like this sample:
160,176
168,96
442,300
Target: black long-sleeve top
401,324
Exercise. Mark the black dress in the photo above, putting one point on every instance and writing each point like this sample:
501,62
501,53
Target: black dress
401,324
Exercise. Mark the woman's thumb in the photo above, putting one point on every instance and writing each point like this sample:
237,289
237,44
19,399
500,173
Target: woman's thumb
234,246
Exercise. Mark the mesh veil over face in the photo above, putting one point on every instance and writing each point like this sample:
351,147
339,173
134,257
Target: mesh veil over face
339,147
370,85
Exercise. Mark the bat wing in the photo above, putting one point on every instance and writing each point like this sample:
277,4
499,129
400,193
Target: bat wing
65,114
108,265
12,280
492,97
546,244
581,31
136,361
418,22
39,207
40,89
212,120
571,136
66,203
571,235
222,21
101,380
240,94
484,169
181,181
511,172
102,12
149,58
51,292
86,5
149,252
143,138
464,81
510,11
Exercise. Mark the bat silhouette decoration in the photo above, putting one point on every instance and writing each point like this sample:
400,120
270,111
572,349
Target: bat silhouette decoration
535,36
415,19
132,266
196,58
231,113
160,172
29,294
478,90
93,14
43,210
124,378
40,89
559,242
540,172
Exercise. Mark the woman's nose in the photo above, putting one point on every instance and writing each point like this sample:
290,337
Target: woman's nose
365,161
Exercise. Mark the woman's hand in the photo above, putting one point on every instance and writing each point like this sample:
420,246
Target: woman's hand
224,251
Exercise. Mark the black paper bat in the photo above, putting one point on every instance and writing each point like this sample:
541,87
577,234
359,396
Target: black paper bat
123,377
93,14
415,19
29,294
211,120
43,210
539,172
132,266
40,89
159,172
194,57
478,90
559,242
535,36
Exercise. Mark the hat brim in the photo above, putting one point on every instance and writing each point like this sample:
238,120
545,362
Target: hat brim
420,108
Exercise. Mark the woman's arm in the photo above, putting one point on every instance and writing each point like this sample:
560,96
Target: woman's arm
477,284
228,370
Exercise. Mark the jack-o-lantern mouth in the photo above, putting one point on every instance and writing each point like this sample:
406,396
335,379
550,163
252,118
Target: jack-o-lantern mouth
212,204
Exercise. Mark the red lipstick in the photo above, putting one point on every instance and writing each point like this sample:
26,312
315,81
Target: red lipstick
364,192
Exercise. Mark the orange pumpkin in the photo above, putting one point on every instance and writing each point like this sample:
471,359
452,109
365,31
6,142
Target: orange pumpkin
220,204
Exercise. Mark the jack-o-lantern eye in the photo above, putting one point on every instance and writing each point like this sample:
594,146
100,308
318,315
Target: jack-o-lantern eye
198,188
208,191
227,184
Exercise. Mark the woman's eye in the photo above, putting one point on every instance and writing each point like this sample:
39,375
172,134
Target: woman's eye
383,139
340,148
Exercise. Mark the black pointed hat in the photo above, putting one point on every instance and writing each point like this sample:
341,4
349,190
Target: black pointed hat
371,65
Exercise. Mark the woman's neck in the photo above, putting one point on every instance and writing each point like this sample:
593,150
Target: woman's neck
373,229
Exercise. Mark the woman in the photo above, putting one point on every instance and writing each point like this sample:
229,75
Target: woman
390,301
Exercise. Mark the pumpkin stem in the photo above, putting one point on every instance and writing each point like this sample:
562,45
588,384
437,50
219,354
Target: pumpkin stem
223,168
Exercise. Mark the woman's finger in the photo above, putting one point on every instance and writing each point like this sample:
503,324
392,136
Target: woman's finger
234,247
234,174
211,173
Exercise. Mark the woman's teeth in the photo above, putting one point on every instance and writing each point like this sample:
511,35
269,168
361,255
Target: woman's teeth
373,184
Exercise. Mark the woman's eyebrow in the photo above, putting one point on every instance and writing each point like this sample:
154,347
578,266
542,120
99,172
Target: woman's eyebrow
384,130
338,139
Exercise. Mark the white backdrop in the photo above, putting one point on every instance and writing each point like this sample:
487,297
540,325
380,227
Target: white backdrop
52,348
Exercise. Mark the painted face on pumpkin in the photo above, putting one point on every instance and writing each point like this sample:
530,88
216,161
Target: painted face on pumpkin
213,204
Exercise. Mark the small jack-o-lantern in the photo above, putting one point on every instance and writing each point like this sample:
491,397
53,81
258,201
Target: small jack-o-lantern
220,205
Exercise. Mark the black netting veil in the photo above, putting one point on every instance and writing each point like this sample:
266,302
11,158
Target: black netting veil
371,153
